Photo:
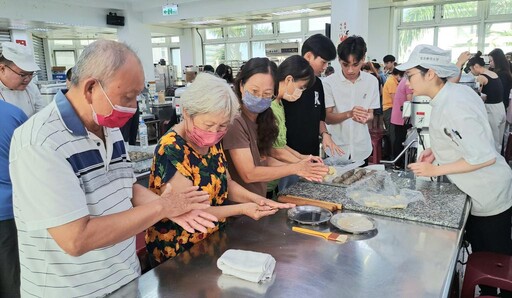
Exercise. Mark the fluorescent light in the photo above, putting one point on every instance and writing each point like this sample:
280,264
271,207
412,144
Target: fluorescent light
205,22
296,11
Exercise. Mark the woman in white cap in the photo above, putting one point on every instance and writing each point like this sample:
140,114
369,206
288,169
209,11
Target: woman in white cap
462,148
17,68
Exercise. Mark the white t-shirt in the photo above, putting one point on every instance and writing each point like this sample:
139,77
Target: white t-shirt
343,95
61,172
29,100
459,129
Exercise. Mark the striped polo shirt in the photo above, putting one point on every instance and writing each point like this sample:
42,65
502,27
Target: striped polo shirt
61,172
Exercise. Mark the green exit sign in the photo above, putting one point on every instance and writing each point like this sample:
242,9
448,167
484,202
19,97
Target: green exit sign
170,10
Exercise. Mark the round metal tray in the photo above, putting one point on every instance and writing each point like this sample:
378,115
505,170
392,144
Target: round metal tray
360,223
309,215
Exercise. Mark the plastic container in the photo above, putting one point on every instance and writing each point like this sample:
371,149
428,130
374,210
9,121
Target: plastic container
143,134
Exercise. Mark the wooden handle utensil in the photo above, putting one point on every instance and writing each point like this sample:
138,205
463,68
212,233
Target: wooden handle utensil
327,235
299,201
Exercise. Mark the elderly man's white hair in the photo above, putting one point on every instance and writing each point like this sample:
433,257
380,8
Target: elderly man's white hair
210,94
100,60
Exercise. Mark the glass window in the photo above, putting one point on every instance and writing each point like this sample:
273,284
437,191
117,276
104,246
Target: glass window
237,31
458,39
237,51
498,35
214,33
158,40
263,29
65,58
498,7
258,48
316,24
417,14
86,42
176,61
409,38
460,10
175,39
289,26
63,42
214,54
160,53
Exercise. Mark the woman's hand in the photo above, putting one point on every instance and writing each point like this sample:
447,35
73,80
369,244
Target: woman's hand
256,211
312,171
330,146
273,204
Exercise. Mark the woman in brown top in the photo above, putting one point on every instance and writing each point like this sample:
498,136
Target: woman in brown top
249,139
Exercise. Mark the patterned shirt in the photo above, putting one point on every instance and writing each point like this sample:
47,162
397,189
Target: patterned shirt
166,239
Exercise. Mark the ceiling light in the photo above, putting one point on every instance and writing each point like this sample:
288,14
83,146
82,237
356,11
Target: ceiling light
205,22
296,11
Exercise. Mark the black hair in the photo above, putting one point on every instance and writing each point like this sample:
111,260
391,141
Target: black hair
395,72
389,58
501,64
208,68
376,65
329,70
229,74
298,68
319,45
267,126
354,45
221,70
69,74
477,59
424,70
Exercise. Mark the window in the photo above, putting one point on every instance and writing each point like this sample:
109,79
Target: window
63,42
458,39
214,33
176,61
317,24
460,10
65,58
258,48
158,40
214,53
237,31
418,14
500,7
498,35
175,39
86,42
289,26
263,29
237,51
160,53
409,38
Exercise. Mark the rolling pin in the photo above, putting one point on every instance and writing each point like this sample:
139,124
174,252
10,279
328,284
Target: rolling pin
299,201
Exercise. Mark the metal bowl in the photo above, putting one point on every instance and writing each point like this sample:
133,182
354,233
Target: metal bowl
309,215
361,223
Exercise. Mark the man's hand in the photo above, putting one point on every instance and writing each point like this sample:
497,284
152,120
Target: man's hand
311,171
360,114
176,204
424,169
427,156
329,144
195,220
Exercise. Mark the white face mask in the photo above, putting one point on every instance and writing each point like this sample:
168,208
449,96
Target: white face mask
297,93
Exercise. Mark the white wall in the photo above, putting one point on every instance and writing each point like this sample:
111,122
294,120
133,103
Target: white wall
380,33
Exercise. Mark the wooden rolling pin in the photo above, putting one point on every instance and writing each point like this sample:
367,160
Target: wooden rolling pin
299,201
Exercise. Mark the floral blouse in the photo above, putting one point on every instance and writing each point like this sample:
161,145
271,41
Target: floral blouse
166,239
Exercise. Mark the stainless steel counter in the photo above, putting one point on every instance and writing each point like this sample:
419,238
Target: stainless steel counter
401,259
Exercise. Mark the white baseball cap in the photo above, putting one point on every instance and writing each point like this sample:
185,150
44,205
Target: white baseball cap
431,57
19,55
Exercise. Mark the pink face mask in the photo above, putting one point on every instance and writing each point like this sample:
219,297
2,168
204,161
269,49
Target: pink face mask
203,138
117,118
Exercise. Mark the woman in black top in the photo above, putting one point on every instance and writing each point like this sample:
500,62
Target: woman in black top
492,94
501,66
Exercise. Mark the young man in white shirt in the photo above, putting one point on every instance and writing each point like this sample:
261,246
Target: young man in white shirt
350,97
462,147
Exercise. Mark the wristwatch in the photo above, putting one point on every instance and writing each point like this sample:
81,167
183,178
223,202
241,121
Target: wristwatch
325,131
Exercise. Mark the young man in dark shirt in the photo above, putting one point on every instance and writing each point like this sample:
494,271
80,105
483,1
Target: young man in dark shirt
305,118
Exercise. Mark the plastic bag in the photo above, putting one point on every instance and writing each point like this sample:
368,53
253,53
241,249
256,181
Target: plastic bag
379,191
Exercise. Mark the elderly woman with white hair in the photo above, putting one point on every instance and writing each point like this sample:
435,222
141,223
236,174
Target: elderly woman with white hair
190,154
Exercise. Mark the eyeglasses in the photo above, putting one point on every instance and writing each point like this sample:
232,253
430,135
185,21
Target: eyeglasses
265,95
408,76
22,75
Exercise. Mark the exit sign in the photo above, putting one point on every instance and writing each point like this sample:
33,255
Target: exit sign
170,10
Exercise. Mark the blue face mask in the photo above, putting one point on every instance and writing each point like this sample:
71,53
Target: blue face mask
254,103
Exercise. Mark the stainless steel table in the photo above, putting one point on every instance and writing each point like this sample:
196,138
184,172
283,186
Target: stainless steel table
401,259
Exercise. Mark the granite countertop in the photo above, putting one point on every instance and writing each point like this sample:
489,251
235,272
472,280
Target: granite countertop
444,203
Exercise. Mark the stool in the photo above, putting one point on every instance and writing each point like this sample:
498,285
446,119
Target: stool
487,268
376,138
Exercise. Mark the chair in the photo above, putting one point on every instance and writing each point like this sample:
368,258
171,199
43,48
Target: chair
376,137
487,268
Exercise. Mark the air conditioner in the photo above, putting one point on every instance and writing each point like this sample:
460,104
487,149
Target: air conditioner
281,49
